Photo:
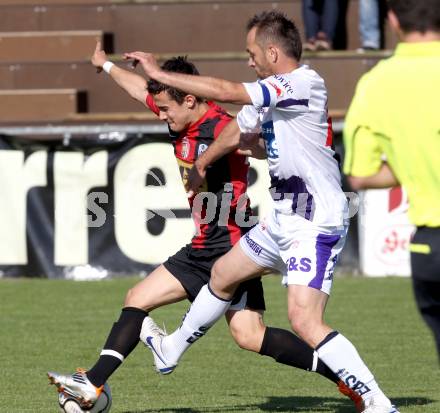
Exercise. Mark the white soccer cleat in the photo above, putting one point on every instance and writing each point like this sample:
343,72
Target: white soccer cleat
379,406
357,400
381,409
151,335
77,386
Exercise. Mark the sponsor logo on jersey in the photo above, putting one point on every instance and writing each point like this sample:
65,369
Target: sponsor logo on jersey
267,130
202,148
285,83
277,89
184,151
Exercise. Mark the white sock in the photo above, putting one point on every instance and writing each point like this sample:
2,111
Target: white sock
344,360
206,309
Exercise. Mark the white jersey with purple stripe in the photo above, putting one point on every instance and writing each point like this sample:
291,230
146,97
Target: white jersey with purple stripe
291,112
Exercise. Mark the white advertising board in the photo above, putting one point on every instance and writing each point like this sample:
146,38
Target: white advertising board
384,232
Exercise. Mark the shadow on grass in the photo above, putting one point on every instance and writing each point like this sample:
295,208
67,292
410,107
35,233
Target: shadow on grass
288,404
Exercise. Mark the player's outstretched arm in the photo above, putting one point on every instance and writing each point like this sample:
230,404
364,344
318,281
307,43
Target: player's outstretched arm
227,141
134,84
383,179
207,87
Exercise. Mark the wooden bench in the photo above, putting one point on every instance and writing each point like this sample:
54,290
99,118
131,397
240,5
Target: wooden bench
341,71
37,105
38,3
147,116
101,2
48,46
201,25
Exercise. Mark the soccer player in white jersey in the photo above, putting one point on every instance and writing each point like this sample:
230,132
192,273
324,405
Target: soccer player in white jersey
307,227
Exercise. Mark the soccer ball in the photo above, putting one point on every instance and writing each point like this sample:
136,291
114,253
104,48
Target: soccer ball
102,405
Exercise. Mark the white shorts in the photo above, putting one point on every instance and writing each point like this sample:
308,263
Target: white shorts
304,253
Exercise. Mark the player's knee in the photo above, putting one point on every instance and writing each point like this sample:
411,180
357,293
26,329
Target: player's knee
216,272
247,339
133,298
300,323
129,297
219,281
298,327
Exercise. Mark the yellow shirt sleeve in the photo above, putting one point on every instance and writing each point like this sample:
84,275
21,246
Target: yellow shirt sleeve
363,152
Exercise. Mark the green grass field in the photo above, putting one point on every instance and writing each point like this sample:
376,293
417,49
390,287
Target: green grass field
60,325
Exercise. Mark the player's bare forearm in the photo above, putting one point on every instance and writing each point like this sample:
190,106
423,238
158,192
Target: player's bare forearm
201,86
259,151
227,141
251,144
206,87
383,179
134,84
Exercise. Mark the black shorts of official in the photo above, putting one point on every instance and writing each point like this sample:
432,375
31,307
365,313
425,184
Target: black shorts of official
425,266
425,269
192,267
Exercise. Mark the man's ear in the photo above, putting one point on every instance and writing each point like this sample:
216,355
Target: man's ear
394,23
190,101
272,52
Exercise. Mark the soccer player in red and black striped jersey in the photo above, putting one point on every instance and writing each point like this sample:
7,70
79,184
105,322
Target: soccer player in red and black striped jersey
227,179
194,124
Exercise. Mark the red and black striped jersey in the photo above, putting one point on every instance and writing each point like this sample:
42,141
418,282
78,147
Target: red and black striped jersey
226,181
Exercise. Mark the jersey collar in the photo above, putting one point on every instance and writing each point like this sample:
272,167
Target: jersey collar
405,49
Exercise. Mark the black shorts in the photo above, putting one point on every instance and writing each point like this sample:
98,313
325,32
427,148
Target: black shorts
192,268
425,266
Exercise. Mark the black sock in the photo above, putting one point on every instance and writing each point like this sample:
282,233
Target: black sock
123,338
286,348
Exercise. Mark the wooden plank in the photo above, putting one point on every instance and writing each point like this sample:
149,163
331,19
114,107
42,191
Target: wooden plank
209,26
17,47
37,104
107,2
147,116
38,3
221,22
340,70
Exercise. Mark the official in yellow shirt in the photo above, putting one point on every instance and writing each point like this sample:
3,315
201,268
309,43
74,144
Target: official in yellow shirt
395,115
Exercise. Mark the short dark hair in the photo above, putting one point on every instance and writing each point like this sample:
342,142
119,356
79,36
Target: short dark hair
416,15
275,26
178,64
